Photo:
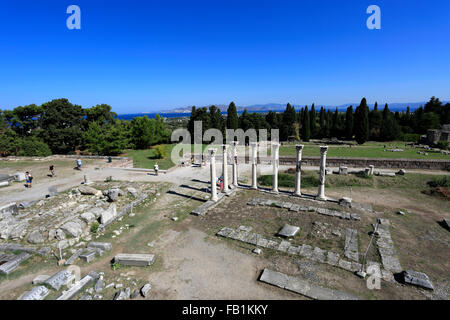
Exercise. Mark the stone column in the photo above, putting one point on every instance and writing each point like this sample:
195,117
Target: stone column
298,170
254,146
275,159
323,160
235,171
371,169
212,154
225,168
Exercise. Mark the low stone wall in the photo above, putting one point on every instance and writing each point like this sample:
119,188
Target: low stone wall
363,162
119,162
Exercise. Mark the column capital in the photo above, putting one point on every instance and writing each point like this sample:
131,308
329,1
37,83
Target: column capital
323,149
225,147
254,144
234,143
299,147
212,152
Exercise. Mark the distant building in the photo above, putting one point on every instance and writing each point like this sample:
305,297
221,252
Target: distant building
436,135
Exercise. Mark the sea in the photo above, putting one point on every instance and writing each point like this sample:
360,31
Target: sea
130,116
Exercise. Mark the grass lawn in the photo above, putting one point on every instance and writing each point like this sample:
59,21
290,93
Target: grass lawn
367,150
146,158
311,179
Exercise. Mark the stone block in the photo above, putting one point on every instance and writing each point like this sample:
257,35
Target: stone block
105,246
59,279
88,256
145,290
133,259
40,279
37,293
418,279
288,231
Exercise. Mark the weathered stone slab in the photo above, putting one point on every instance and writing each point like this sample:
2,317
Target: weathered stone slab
306,251
346,265
73,257
37,293
294,249
351,244
145,290
131,259
105,246
40,279
262,242
418,279
59,279
225,232
288,231
108,215
78,287
252,238
318,255
10,208
99,285
303,287
284,246
272,244
123,294
86,190
332,258
274,278
88,256
14,263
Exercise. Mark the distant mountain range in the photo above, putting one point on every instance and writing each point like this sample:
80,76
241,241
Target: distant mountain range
280,107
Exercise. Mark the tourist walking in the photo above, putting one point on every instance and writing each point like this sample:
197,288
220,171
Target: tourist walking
79,164
29,179
52,170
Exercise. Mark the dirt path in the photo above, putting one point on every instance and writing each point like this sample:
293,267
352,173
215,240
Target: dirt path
197,269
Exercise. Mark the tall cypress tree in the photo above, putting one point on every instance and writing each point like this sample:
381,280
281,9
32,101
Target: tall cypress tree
349,123
312,119
232,117
306,130
362,122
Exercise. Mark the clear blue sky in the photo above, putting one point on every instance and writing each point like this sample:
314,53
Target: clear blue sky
141,56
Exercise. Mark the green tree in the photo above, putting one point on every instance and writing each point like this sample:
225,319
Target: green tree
306,130
349,123
109,139
232,117
312,119
361,122
61,125
288,120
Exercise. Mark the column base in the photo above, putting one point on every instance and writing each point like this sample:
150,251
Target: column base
297,194
321,198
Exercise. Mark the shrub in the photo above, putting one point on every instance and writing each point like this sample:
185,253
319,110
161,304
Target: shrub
411,137
159,151
442,145
33,147
440,182
94,227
